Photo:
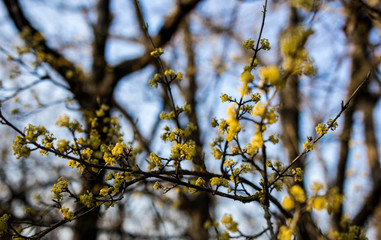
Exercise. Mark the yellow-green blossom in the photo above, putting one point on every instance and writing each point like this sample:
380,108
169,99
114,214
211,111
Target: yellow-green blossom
257,140
232,121
155,159
62,145
102,110
216,181
87,199
265,45
157,185
118,150
229,223
200,181
224,97
59,188
66,213
157,52
287,203
308,145
271,75
229,163
20,149
285,233
298,193
248,44
183,151
321,128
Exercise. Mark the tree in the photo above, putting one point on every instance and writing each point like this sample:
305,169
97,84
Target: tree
119,166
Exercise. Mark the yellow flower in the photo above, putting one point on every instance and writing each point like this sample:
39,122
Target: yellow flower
321,128
259,109
87,199
298,193
285,233
118,149
270,75
319,203
257,140
200,181
288,203
308,145
229,224
157,186
66,213
232,121
157,52
63,121
62,145
246,78
229,163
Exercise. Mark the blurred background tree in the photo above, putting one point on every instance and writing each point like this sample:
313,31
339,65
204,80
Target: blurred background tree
91,60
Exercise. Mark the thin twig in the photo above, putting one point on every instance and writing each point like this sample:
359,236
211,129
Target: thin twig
343,108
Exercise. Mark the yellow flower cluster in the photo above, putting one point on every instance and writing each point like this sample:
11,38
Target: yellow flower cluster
155,80
265,45
66,213
246,79
216,153
33,132
177,134
20,149
269,114
256,141
216,181
59,188
119,149
296,194
248,44
229,223
225,97
182,151
298,174
232,122
167,116
334,125
321,128
157,186
285,233
270,75
155,160
200,181
296,59
102,111
87,199
75,164
170,73
229,163
308,145
62,145
157,52
64,121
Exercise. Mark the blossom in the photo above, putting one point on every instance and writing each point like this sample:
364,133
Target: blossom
271,75
157,52
321,129
66,213
298,193
288,203
229,223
